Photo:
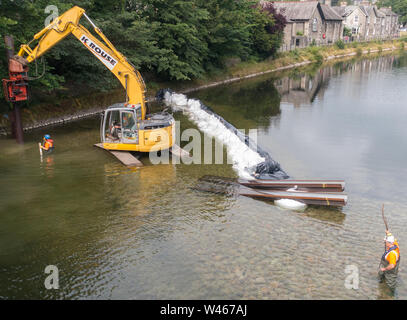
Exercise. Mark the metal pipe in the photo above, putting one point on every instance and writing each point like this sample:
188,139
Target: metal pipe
90,21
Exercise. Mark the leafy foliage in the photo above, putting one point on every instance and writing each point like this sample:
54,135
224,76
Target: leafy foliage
170,40
347,32
340,44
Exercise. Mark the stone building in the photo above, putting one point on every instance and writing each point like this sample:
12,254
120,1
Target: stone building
367,22
354,18
333,25
374,22
391,23
319,23
308,22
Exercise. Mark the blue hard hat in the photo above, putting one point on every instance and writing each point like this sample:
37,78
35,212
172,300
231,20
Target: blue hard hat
47,136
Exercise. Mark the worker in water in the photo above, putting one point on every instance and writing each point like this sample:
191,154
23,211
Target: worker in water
48,144
389,265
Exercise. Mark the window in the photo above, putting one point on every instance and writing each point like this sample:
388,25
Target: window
356,19
129,126
112,126
128,120
314,25
138,111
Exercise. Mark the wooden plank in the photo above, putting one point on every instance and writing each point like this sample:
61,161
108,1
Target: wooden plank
124,157
179,152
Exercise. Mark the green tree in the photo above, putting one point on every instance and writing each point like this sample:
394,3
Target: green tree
176,39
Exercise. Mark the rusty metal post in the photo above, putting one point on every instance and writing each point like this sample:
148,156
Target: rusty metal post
15,113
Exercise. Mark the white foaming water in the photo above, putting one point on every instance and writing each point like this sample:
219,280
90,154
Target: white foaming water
241,155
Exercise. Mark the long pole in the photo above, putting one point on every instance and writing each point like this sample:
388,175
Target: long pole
39,146
384,218
387,229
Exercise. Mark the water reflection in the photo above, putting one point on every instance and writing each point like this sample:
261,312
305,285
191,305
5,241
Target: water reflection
301,88
248,104
252,103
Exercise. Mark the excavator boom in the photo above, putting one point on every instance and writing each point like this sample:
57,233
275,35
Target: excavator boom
68,23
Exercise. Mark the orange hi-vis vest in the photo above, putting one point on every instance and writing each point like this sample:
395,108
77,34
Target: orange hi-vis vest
392,256
48,144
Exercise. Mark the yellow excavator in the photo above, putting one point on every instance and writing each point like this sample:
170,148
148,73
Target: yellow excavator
125,126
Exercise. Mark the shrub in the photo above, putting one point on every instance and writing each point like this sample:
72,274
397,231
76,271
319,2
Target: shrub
295,53
347,32
359,52
319,58
316,54
340,44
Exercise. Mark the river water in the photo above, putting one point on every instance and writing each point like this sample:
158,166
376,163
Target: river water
144,233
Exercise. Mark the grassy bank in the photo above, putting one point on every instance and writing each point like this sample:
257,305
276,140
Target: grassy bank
72,108
308,55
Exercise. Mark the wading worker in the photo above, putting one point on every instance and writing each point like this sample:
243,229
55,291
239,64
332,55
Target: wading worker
48,144
389,265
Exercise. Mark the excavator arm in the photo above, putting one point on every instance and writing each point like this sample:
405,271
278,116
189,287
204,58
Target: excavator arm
68,23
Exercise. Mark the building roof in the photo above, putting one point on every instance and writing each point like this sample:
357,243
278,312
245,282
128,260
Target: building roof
372,10
345,11
330,14
365,10
388,12
296,10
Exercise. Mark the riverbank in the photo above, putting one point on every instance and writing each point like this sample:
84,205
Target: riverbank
65,110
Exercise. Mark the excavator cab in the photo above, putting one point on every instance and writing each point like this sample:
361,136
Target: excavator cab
121,125
122,128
